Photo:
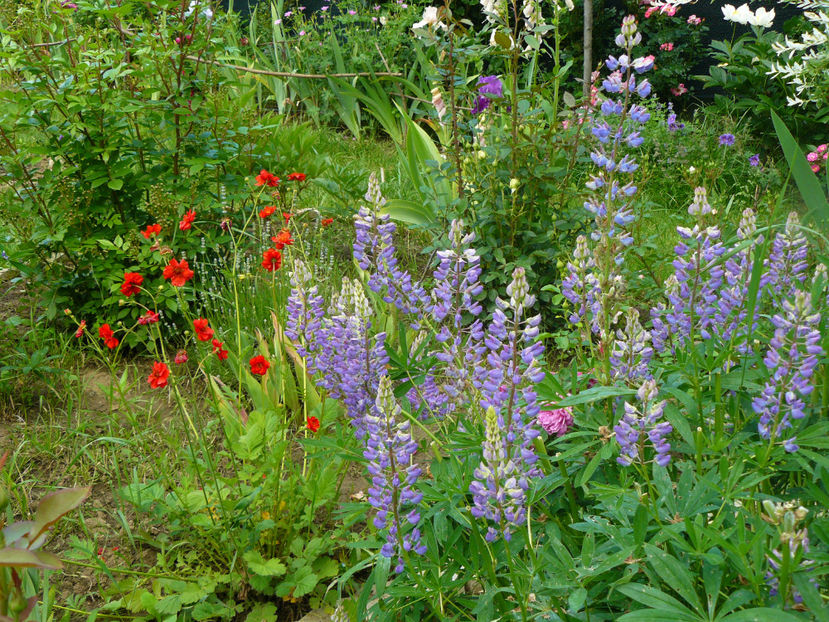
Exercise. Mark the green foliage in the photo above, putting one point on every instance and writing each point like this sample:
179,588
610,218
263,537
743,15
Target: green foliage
21,546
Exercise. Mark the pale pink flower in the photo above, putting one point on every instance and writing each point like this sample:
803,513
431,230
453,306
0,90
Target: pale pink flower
558,421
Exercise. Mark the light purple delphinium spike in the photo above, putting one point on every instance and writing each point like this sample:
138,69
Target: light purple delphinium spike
374,251
506,379
640,421
791,359
580,287
390,449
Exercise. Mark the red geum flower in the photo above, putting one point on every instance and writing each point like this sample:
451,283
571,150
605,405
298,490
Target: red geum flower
181,357
178,272
286,216
327,221
105,333
158,376
296,177
219,350
132,283
151,230
187,220
313,424
259,365
282,239
272,260
264,178
203,331
267,211
81,329
150,317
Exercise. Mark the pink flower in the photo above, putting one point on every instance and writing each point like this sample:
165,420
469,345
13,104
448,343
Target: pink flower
650,11
812,157
352,12
679,89
667,47
693,20
822,148
669,10
815,168
558,421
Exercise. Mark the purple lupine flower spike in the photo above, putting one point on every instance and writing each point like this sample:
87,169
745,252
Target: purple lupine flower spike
640,421
791,360
631,351
374,249
506,378
390,449
786,263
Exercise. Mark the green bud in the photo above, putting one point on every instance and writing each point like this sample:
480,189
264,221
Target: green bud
769,507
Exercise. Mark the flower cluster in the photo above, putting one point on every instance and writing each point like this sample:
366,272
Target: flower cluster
643,421
616,129
786,264
631,353
744,15
390,449
821,153
802,61
791,360
374,248
505,378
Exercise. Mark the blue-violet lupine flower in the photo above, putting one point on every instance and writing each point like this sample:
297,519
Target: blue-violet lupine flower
374,251
389,450
506,378
791,360
631,353
786,262
637,422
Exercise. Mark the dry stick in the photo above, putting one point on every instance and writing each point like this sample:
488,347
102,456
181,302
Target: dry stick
288,74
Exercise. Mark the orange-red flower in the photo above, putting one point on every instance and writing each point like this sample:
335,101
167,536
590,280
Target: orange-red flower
150,317
132,283
327,221
264,178
272,260
313,424
282,239
296,177
219,350
267,211
81,329
286,216
158,376
203,331
187,221
178,272
105,333
259,365
151,230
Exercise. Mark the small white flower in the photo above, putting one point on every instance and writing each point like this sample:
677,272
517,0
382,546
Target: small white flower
429,19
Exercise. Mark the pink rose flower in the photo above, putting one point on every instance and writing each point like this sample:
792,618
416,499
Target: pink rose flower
558,421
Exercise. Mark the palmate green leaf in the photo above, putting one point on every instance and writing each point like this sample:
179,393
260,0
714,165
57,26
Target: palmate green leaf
807,182
593,395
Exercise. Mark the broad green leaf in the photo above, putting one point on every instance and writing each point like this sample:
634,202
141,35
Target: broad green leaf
411,212
762,614
20,558
807,182
658,600
53,506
